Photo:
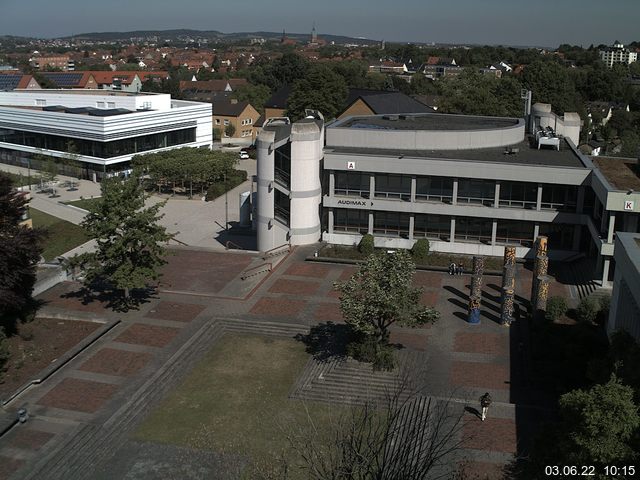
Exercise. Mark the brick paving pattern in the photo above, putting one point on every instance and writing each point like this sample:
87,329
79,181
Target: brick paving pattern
328,312
480,375
308,270
68,296
428,279
294,287
176,311
111,361
9,465
482,470
409,340
430,299
80,395
494,434
202,272
150,335
476,342
277,307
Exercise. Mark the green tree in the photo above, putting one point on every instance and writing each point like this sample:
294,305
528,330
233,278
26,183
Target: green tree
321,89
551,83
20,249
230,130
130,242
381,294
256,95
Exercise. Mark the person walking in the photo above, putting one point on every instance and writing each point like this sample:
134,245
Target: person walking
485,401
452,269
460,269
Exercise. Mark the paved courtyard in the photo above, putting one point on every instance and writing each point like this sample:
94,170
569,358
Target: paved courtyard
86,412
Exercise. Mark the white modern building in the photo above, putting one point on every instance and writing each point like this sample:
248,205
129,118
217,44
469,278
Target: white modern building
624,313
103,130
469,184
617,54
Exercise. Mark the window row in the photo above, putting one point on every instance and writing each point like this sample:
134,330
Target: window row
470,191
438,227
93,148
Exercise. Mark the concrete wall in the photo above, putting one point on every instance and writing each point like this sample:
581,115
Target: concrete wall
624,313
568,125
85,98
425,139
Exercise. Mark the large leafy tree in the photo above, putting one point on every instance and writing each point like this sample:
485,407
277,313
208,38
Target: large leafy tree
381,294
321,89
20,251
130,243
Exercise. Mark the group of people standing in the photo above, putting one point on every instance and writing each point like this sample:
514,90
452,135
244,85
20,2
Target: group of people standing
456,269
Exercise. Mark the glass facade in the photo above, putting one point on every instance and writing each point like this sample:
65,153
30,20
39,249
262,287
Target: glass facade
347,220
474,229
514,232
282,165
281,207
478,192
352,184
434,189
518,195
92,148
559,197
392,224
393,186
560,235
437,227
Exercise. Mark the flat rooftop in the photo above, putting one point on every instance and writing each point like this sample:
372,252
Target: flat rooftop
527,155
621,173
85,91
434,121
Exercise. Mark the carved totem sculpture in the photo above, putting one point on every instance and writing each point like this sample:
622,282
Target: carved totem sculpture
475,296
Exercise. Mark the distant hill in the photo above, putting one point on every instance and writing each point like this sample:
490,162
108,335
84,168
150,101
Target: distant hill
209,35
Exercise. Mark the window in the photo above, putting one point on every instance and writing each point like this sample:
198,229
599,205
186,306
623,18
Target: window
100,104
282,165
518,195
474,229
217,121
393,186
432,226
112,104
348,220
392,224
514,232
226,122
352,184
40,102
559,197
281,207
249,121
478,192
434,189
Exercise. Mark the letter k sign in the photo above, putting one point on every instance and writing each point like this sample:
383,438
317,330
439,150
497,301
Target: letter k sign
628,204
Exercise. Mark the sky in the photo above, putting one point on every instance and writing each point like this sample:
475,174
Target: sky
495,22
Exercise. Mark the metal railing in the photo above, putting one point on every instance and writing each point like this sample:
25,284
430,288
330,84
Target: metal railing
434,235
422,197
275,251
487,202
525,242
282,177
391,232
351,229
351,193
558,206
252,272
526,204
394,195
473,238
281,214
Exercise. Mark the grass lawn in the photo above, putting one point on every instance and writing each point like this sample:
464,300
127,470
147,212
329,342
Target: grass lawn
236,401
84,203
63,235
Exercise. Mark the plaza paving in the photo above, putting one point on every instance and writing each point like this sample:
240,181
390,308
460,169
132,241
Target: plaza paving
82,417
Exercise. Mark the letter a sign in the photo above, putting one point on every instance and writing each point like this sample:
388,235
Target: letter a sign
351,165
628,204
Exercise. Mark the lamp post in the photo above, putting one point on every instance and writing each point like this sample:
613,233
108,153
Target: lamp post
226,204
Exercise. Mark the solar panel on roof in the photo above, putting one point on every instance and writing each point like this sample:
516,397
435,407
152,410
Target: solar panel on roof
9,82
64,79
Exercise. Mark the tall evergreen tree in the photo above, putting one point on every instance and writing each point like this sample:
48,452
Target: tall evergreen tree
19,254
130,243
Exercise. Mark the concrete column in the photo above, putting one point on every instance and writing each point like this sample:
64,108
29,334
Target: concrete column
494,232
539,199
612,226
454,200
332,183
414,184
496,199
536,231
580,200
412,220
330,221
603,220
452,233
605,271
370,229
577,236
372,186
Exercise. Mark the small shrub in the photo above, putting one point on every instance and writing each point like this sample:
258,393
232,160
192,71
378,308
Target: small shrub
365,348
366,245
556,308
587,310
420,249
605,305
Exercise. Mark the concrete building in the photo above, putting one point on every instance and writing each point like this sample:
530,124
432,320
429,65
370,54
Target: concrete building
101,130
289,192
617,54
469,184
624,313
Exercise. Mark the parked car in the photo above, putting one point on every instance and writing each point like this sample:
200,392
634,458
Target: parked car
244,154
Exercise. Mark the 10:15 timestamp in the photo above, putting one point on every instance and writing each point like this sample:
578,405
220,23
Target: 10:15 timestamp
622,471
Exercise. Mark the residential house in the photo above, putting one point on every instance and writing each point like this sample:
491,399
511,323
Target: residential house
13,81
63,62
617,54
241,115
388,66
276,106
71,79
379,102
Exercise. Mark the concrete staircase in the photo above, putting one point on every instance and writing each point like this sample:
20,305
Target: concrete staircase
583,277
